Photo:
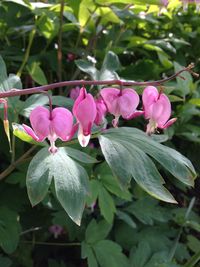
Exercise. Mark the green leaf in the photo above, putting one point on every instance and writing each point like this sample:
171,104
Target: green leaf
39,176
87,252
71,181
140,256
109,254
164,59
166,156
110,65
195,101
126,218
137,165
147,211
185,85
71,184
110,182
79,156
106,204
5,262
97,231
87,67
9,230
37,73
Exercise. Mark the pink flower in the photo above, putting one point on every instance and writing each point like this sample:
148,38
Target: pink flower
101,111
157,109
71,57
74,93
85,112
164,2
121,103
56,230
50,124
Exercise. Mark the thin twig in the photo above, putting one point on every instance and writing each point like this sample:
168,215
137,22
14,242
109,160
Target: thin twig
34,90
52,243
13,165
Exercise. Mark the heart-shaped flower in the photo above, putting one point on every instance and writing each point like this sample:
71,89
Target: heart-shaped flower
85,111
157,109
121,103
52,125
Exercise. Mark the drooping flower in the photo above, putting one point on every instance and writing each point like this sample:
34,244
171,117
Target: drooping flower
74,93
101,111
49,124
157,109
121,103
84,110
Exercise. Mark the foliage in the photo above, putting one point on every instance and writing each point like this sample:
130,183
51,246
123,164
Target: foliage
120,224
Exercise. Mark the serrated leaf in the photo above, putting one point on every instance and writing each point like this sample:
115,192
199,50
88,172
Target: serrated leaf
97,231
109,254
141,255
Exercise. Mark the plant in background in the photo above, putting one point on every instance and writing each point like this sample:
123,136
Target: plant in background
103,198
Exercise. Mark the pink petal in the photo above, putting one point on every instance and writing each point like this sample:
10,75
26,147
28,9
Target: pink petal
40,122
85,113
149,97
135,114
169,123
30,132
101,111
110,97
62,122
161,110
128,102
80,98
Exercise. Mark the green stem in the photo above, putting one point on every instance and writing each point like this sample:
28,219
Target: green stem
26,56
193,260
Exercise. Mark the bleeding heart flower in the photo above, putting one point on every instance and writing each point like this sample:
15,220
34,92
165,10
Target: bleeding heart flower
101,111
121,103
50,124
157,108
85,111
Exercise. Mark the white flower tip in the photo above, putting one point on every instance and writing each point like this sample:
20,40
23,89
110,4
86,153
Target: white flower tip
83,139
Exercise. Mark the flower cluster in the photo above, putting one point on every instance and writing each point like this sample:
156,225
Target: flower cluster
58,122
